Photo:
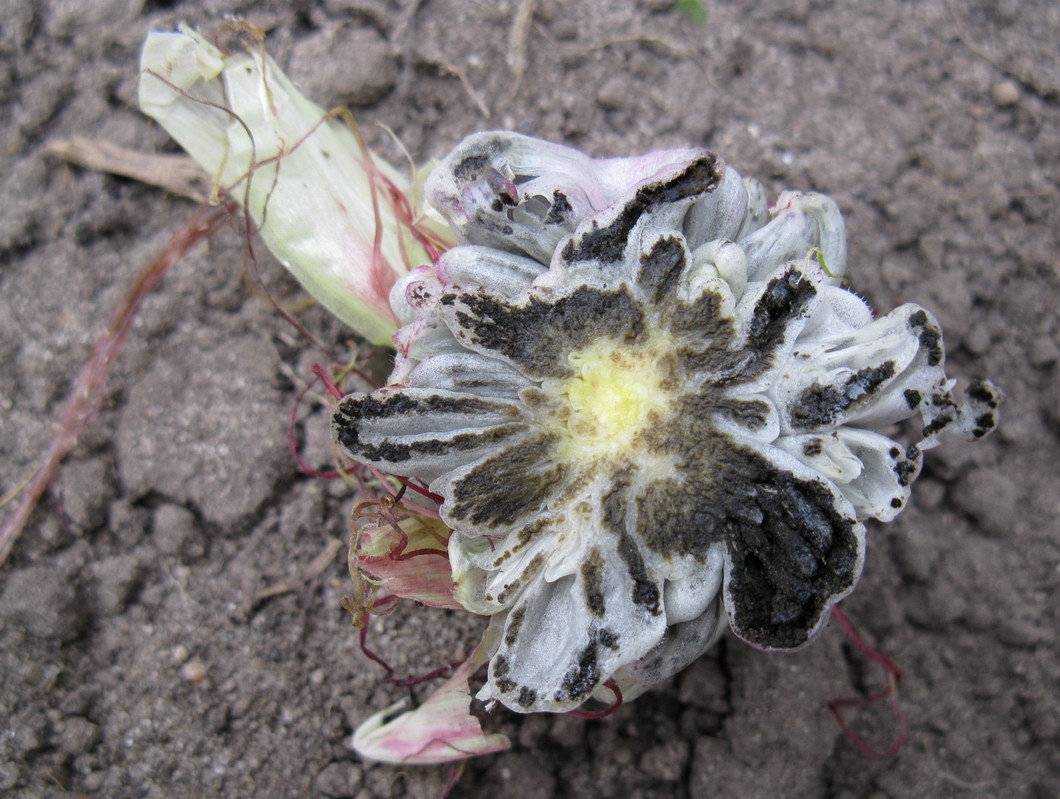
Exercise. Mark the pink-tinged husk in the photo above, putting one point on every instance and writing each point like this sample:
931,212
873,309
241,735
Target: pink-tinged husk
441,730
414,566
345,223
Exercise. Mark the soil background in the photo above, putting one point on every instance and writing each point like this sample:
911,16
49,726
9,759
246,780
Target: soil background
135,660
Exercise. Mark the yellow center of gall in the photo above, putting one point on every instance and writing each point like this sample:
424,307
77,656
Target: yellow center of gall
616,391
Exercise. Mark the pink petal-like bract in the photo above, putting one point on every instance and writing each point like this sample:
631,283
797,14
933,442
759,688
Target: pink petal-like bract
441,730
410,563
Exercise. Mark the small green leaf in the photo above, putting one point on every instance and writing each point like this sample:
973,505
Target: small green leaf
818,253
692,10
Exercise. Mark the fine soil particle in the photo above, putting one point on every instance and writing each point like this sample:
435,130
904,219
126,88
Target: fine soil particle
181,503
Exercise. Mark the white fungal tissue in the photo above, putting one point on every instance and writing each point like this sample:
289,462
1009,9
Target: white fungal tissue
652,410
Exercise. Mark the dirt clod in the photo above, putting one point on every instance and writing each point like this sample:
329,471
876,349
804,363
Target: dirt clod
78,735
45,602
176,532
117,578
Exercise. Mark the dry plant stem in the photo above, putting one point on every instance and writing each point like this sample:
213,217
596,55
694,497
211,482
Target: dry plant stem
315,568
87,393
966,40
461,75
517,41
177,174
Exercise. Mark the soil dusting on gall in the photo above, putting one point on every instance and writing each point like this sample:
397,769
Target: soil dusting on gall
135,660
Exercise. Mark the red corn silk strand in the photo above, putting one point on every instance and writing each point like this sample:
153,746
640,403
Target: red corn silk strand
441,538
368,653
86,394
292,444
326,381
397,552
894,676
423,492
454,777
607,711
381,276
292,420
390,679
441,671
403,211
382,478
866,650
330,385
